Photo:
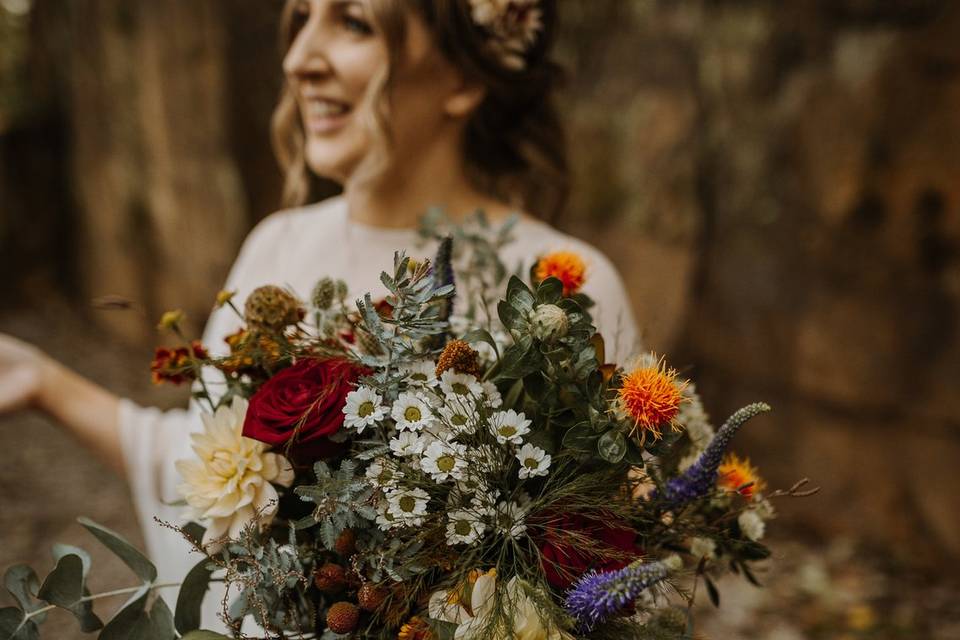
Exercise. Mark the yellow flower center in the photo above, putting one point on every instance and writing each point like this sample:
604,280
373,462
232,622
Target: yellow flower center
408,504
462,528
507,431
366,409
531,463
446,463
412,414
460,389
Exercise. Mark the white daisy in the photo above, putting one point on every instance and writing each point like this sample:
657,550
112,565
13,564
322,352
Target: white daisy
510,518
752,525
411,412
422,373
408,505
406,444
492,394
460,415
363,409
460,385
509,426
444,460
384,472
464,527
534,461
385,520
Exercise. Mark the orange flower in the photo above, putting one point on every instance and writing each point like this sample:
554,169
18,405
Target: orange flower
737,474
177,365
650,395
565,266
416,629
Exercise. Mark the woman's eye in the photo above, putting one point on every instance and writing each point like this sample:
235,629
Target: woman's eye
357,25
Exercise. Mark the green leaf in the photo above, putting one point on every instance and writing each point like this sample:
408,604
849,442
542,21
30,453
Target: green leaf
160,622
22,583
510,317
519,296
127,622
580,437
60,550
204,635
13,626
64,588
482,335
612,446
137,562
191,594
549,291
712,591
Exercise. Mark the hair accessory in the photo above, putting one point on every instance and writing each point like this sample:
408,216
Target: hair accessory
512,26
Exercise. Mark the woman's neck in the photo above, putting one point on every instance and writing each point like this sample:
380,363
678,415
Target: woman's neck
404,193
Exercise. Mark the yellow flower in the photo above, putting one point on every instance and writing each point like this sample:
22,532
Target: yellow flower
566,266
650,396
416,629
229,481
223,297
734,473
171,319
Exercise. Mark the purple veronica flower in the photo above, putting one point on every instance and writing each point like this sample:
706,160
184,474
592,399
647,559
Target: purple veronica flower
699,479
596,597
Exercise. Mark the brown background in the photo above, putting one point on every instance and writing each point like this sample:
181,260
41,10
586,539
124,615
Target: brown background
778,182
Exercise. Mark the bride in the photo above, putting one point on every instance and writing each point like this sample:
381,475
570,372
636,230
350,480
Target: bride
407,104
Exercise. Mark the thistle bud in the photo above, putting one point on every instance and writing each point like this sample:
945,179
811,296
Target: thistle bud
549,322
324,293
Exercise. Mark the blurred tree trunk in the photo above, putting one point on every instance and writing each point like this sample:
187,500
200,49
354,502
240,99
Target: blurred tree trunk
161,204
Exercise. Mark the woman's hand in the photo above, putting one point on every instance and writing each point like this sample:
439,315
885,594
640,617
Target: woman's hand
22,369
31,379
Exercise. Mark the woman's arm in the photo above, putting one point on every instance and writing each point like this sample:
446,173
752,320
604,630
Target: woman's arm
31,379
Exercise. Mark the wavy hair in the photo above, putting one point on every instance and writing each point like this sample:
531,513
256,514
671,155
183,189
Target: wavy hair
514,143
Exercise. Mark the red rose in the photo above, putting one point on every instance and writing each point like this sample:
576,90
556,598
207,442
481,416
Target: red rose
302,406
573,544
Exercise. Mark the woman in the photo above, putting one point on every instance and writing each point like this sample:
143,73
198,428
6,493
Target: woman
407,104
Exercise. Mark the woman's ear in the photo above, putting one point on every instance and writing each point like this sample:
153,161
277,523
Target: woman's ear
465,100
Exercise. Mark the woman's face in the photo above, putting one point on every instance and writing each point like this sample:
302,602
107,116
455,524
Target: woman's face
333,61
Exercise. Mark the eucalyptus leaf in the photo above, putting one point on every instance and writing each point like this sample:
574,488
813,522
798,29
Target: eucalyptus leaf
22,583
137,562
64,588
510,317
128,620
13,625
190,598
60,550
612,446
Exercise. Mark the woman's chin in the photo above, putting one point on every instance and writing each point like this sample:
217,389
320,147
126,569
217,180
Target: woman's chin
329,163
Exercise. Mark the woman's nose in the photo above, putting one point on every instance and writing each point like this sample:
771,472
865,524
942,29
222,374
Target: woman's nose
306,57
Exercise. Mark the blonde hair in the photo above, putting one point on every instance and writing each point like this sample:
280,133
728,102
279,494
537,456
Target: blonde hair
515,147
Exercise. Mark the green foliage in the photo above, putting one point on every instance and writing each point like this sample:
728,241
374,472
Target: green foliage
342,499
190,598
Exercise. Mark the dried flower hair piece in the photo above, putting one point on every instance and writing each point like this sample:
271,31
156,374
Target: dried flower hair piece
512,26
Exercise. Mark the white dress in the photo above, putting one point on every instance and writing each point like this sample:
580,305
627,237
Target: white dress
295,248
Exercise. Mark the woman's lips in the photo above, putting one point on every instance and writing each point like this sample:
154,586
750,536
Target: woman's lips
323,115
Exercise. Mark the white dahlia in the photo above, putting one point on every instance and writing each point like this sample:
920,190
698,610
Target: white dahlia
228,484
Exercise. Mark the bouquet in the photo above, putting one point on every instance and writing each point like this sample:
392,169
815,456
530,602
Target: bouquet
400,471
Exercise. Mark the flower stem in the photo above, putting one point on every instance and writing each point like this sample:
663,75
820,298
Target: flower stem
99,596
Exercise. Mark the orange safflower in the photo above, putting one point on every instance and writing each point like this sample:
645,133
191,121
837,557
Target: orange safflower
416,629
737,474
565,266
650,396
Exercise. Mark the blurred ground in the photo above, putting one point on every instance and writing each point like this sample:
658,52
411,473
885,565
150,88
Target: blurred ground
838,590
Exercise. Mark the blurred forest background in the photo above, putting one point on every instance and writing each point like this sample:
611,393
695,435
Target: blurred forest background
778,182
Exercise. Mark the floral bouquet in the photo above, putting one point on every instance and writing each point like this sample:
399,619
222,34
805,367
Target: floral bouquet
398,471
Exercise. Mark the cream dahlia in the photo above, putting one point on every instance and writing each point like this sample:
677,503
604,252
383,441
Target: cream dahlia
230,481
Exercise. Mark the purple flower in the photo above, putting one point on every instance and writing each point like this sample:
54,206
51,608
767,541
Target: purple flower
700,478
596,597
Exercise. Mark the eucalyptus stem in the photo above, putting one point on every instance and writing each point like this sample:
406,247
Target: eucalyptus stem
100,596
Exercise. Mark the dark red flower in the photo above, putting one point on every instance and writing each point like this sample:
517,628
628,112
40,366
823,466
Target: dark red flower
572,544
297,410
